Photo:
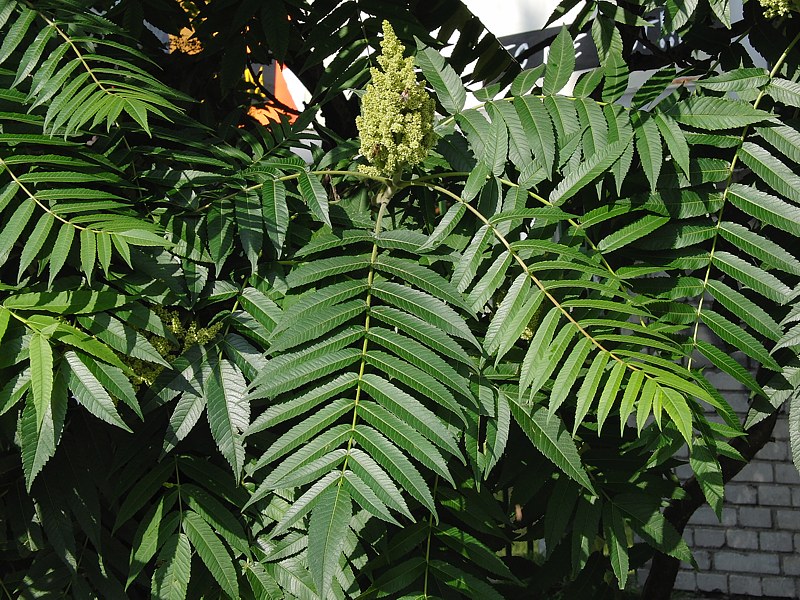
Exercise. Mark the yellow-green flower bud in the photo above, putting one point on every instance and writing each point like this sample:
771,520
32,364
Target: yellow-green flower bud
396,122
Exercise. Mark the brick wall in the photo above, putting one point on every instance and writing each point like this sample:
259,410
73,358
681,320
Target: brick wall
755,550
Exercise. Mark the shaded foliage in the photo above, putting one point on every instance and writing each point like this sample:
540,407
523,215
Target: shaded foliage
227,371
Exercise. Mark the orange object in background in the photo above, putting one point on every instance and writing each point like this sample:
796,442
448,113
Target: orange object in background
265,114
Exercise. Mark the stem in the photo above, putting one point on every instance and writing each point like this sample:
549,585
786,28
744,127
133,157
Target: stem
44,207
383,202
428,544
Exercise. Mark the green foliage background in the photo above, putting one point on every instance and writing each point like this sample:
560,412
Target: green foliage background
226,372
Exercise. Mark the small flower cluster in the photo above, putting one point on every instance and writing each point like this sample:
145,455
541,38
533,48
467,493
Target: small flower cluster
396,122
146,372
779,8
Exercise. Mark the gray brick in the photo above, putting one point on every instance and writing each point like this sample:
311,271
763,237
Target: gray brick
790,565
684,472
709,538
705,516
751,562
712,582
782,587
751,516
758,471
744,584
781,429
774,495
776,541
777,450
686,581
797,542
789,519
742,539
787,473
742,494
795,496
703,559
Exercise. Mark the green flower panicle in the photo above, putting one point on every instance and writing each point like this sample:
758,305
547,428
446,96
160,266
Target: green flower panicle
396,122
779,8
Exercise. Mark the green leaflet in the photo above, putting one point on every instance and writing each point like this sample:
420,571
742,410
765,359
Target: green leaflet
727,364
228,412
421,277
14,228
761,248
644,518
250,225
312,301
425,306
584,531
327,528
445,81
305,370
446,225
736,80
16,33
388,456
187,413
40,434
588,170
321,268
315,196
211,551
421,357
560,63
409,410
538,129
755,278
568,374
305,430
120,337
738,337
771,170
589,388
551,439
526,80
376,479
416,379
616,540
784,139
275,212
640,228
710,113
405,436
90,393
153,531
171,578
430,336
709,475
41,365
366,498
744,308
648,146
